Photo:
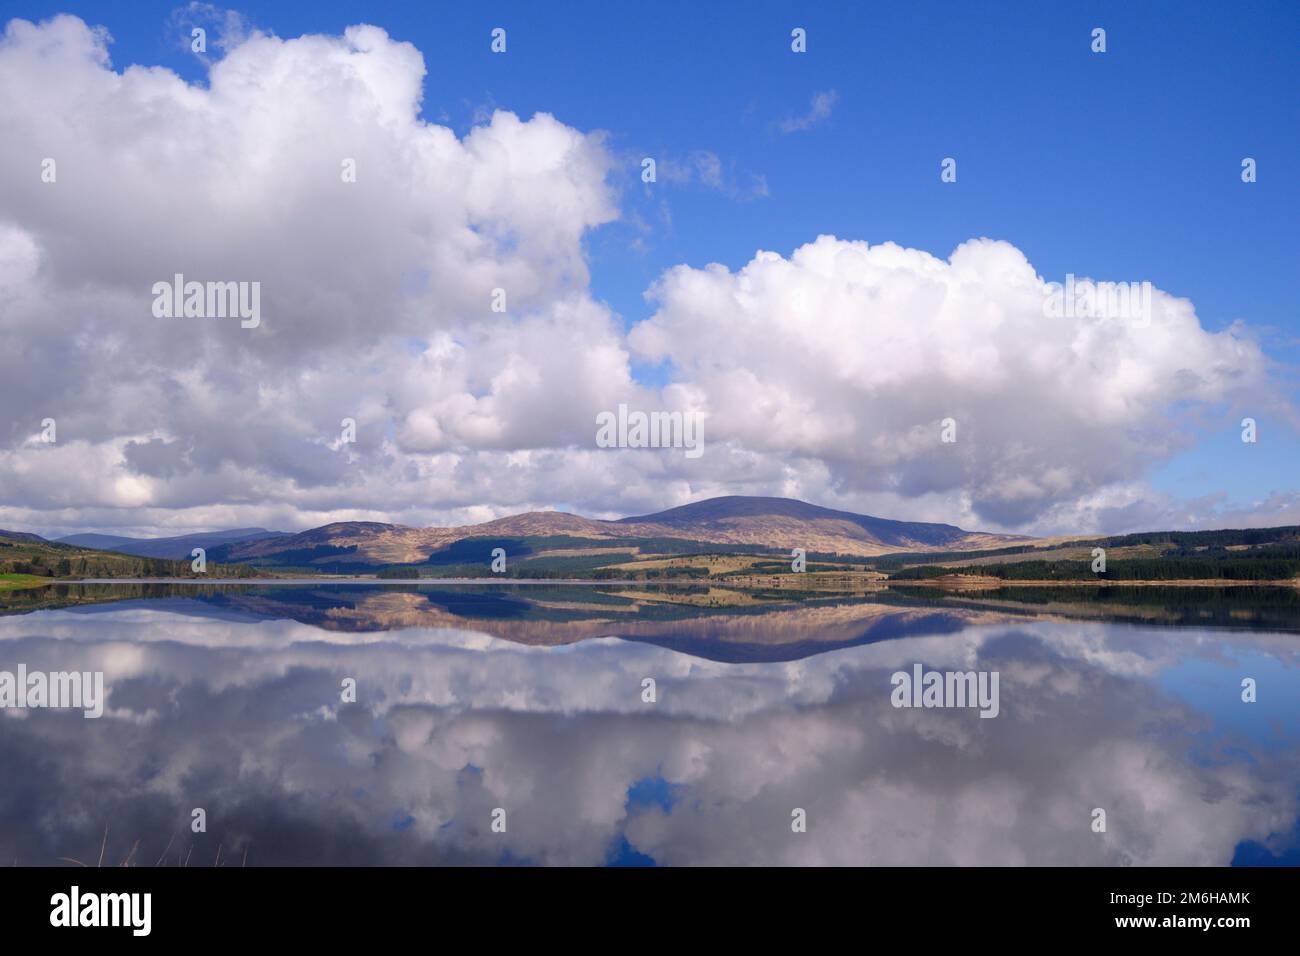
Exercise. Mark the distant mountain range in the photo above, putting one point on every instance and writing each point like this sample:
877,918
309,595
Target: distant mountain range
175,548
728,523
731,523
724,539
732,520
20,535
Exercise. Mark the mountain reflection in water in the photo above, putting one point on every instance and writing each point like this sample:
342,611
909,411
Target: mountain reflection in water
530,699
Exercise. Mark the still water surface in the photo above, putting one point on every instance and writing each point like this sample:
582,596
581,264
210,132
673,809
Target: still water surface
530,700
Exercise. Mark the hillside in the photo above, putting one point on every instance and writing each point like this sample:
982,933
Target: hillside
1243,554
32,556
729,524
745,542
175,548
735,512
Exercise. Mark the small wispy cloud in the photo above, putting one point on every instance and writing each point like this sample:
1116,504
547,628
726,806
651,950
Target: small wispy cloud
701,166
819,110
229,28
705,168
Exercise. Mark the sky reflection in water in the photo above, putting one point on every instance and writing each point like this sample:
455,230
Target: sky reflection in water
531,700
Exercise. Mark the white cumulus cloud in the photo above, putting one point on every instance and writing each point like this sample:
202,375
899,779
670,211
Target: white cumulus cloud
824,375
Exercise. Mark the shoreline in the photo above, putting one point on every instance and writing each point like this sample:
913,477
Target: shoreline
951,583
339,579
974,583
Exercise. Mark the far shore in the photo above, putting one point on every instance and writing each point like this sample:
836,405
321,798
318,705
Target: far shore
343,579
813,581
983,583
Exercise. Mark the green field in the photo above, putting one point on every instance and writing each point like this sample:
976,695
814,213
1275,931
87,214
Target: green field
13,582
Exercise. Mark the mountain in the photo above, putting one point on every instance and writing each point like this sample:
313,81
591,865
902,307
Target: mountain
729,523
175,548
734,540
761,517
31,555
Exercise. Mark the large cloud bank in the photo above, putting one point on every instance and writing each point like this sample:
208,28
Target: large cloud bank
823,375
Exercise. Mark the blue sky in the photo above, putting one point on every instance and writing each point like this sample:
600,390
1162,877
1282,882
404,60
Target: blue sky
1123,165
